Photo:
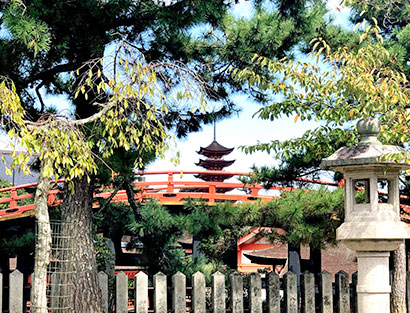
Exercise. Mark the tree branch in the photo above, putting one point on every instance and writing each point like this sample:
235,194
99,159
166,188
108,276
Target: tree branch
40,98
108,200
71,123
60,68
131,199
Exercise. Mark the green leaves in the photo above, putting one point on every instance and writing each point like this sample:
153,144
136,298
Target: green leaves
342,86
130,103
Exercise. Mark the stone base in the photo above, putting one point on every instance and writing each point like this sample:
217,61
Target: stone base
372,245
373,288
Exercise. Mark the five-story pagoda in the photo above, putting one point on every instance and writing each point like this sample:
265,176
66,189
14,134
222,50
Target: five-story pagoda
214,162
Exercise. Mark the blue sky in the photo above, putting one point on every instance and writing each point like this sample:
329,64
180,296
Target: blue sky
244,129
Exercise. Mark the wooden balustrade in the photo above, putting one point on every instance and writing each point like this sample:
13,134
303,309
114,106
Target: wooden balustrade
168,191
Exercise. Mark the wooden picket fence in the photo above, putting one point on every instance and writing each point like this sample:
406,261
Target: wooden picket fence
252,293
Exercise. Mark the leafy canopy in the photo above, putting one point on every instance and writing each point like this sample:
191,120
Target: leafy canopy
131,116
341,87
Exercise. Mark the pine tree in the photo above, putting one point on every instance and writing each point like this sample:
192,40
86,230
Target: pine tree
73,33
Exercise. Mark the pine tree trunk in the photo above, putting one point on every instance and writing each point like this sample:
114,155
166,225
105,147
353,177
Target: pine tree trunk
398,295
315,260
5,270
294,261
77,214
43,246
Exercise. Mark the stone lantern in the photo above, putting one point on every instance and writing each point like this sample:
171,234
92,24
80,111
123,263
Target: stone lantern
372,225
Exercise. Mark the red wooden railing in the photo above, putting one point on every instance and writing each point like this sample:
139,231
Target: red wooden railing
172,189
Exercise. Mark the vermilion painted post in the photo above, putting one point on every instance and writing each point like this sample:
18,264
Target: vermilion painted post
212,192
170,187
51,197
13,196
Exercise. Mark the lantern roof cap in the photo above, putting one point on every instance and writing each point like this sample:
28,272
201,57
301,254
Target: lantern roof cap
369,151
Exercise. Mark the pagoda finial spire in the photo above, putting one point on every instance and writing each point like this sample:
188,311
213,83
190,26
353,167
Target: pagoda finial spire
214,130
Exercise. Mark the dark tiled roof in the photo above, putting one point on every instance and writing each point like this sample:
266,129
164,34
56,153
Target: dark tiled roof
279,251
215,149
274,252
216,178
214,164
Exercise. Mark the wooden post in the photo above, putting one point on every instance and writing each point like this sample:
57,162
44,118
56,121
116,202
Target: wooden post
236,293
103,281
308,292
354,293
326,292
13,196
408,291
121,293
141,293
178,293
16,292
342,292
212,192
1,292
170,186
255,293
198,293
160,293
291,293
273,292
55,292
218,292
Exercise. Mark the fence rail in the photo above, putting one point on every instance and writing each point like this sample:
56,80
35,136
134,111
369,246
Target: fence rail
235,293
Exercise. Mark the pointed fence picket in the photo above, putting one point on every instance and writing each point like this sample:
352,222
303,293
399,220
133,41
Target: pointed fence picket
121,293
236,293
16,292
218,293
342,292
160,293
326,296
1,292
326,292
198,293
178,293
291,293
308,293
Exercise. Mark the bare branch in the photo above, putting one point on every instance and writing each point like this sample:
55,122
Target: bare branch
70,123
40,98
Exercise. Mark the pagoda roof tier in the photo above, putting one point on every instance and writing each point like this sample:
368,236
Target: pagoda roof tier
214,164
218,190
213,177
215,150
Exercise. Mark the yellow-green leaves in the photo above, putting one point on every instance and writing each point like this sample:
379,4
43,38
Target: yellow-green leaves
342,86
129,96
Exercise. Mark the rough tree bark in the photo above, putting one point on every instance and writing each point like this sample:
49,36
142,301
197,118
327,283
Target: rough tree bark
398,294
43,246
77,215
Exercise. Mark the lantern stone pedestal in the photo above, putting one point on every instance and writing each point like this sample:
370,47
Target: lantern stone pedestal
372,225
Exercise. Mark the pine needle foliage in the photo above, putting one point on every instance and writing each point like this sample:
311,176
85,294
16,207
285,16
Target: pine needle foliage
32,33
